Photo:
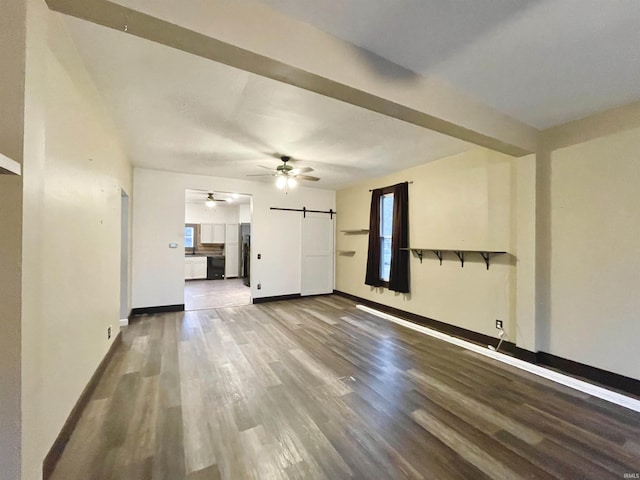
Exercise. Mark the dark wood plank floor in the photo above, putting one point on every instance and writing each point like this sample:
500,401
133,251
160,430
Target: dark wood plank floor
316,389
205,294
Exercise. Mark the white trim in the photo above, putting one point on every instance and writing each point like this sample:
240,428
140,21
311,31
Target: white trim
9,166
124,322
585,387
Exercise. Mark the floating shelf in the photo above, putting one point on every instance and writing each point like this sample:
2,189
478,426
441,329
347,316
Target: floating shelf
346,253
8,166
439,253
355,232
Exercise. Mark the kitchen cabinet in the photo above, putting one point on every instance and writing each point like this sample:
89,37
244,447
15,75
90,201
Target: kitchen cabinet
212,233
232,250
195,268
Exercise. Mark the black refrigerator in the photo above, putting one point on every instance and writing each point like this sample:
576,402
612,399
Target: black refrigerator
246,258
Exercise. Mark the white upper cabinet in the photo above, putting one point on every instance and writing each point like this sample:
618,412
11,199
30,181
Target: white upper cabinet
212,233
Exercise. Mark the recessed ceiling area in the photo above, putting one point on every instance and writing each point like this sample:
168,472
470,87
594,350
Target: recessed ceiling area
543,62
182,113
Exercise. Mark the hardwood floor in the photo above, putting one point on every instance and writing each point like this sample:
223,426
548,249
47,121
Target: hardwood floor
316,389
204,294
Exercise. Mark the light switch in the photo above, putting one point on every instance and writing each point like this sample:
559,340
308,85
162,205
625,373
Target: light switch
173,245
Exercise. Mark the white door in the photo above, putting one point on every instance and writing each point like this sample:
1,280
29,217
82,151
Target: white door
317,254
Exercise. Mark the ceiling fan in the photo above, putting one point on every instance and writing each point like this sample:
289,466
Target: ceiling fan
286,175
211,200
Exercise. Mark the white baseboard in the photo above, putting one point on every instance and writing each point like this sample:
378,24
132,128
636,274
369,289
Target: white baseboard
124,322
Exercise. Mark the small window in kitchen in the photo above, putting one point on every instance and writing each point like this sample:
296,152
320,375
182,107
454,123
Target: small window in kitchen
190,238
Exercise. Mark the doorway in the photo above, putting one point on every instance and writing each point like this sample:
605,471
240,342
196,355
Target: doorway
217,247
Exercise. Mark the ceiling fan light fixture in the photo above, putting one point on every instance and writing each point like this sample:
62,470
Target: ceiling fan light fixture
281,182
210,202
291,182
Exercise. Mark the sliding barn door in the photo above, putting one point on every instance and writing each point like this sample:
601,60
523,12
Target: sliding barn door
317,254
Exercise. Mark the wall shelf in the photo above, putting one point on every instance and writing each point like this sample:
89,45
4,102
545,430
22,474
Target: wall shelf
356,231
8,166
439,253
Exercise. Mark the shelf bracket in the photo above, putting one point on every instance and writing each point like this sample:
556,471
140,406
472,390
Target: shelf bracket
486,256
460,255
438,253
419,254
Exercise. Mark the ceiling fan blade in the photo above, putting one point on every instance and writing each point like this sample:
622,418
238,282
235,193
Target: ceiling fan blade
268,168
307,177
261,175
296,171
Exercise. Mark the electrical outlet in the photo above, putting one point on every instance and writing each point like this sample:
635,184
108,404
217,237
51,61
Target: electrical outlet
259,286
259,256
109,333
499,324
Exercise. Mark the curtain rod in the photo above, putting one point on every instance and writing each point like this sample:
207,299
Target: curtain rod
410,181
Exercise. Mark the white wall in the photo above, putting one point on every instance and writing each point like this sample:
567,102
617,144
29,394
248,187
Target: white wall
595,254
198,212
158,219
244,213
460,202
74,170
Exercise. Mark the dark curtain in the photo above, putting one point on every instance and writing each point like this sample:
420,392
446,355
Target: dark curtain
373,257
399,273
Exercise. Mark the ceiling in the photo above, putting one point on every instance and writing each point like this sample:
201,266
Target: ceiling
543,62
182,113
199,196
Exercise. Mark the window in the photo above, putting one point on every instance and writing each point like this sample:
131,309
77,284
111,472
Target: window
388,252
189,241
386,232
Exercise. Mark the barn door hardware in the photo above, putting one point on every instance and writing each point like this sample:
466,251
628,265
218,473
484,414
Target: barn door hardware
304,211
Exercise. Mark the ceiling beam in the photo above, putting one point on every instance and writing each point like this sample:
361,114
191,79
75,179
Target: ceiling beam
250,38
598,125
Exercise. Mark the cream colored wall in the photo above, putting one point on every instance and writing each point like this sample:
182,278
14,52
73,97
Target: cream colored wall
460,202
74,169
12,58
595,254
523,235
